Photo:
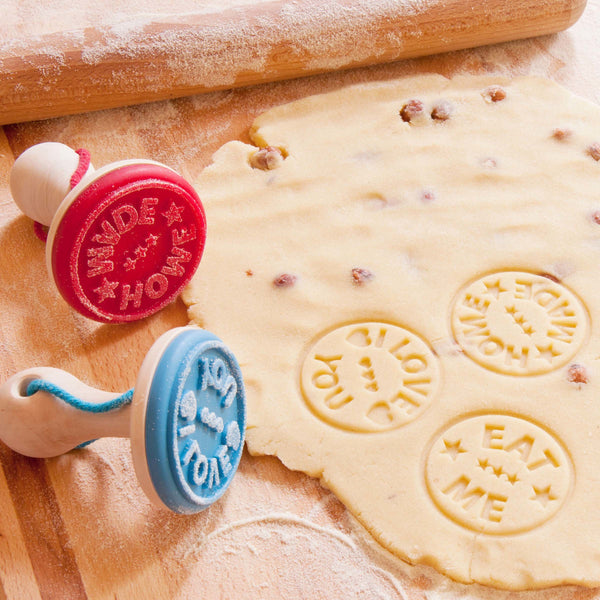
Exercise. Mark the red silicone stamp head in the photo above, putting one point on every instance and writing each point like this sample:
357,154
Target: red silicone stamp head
128,243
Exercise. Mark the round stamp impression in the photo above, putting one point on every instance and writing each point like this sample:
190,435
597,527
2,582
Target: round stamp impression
369,377
498,474
518,323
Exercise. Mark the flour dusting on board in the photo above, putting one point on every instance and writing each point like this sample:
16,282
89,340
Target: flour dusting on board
222,552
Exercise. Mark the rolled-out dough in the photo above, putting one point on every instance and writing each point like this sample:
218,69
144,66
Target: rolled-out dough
409,273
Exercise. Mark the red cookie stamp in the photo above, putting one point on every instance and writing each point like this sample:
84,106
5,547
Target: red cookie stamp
124,241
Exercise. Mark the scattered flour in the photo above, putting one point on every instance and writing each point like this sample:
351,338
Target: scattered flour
30,18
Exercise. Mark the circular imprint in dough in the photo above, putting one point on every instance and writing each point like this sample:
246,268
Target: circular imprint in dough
498,474
518,323
369,377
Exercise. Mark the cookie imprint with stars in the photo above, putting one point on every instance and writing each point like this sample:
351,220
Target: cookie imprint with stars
498,474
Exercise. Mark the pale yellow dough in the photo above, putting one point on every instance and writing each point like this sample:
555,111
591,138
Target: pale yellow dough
438,398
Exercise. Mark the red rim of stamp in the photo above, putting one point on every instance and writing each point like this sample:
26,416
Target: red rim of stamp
128,242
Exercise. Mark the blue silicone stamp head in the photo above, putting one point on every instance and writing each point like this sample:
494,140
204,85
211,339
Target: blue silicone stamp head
195,420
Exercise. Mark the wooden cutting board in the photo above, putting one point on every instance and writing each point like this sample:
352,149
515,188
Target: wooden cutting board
239,43
79,527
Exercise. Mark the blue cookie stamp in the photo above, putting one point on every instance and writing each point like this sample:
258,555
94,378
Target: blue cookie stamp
194,421
186,417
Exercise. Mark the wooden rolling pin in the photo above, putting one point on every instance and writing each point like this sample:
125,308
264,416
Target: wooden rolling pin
104,67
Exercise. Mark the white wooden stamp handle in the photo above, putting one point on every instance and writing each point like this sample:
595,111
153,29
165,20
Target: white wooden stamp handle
42,425
41,179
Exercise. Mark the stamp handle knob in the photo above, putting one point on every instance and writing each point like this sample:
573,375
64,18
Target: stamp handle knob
41,425
41,179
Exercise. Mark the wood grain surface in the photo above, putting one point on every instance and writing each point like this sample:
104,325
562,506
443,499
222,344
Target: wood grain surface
78,526
67,72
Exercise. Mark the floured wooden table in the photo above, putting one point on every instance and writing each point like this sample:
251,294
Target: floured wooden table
79,526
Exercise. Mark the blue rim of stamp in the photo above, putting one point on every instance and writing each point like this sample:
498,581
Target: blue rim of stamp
195,421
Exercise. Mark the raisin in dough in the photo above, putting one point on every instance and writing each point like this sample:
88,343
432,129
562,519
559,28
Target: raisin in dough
413,291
